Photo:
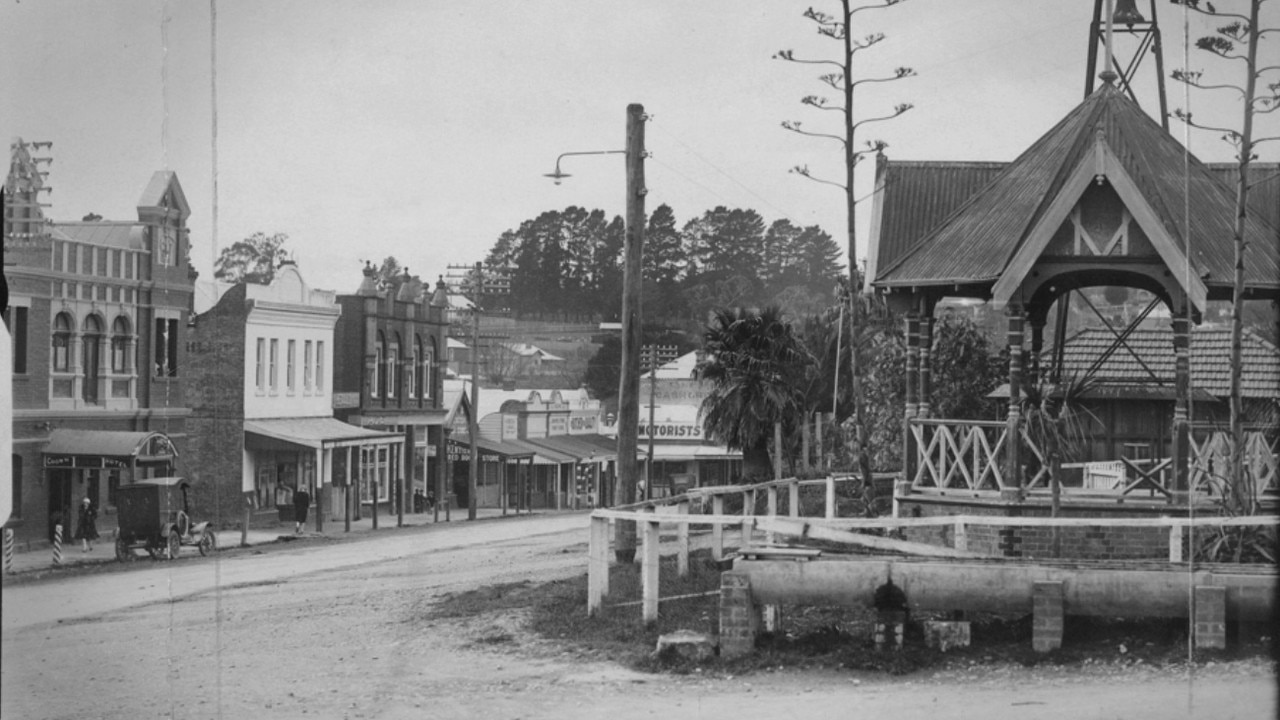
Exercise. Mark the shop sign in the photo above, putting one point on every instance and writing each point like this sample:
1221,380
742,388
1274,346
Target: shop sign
583,424
84,461
677,392
510,427
672,430
557,425
343,400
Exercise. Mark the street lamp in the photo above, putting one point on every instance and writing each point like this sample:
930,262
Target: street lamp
629,383
557,176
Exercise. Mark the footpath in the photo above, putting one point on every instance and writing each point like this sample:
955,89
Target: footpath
40,557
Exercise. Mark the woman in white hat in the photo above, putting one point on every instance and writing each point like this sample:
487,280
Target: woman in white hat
87,529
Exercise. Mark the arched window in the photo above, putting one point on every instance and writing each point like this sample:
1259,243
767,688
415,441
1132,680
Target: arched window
120,346
416,381
393,365
62,343
428,360
92,345
376,388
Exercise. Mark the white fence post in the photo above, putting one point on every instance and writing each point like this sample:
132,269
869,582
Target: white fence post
682,541
771,510
1175,543
597,565
717,530
793,498
831,497
649,559
961,537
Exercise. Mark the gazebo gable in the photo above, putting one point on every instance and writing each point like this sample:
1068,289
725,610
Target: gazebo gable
1077,220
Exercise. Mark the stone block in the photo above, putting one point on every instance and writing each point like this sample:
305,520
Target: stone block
1047,616
739,618
1211,617
946,634
687,644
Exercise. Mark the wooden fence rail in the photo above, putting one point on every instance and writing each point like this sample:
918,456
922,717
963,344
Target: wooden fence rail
652,516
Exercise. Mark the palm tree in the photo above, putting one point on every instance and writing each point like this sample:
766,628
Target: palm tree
758,369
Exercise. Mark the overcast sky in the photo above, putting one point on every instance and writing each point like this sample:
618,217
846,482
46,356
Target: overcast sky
422,128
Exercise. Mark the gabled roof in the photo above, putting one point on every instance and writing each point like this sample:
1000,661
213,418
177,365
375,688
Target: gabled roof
164,191
913,197
977,242
1210,367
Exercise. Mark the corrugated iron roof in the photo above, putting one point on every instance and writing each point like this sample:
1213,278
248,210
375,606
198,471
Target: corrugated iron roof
1264,189
1210,354
976,242
914,197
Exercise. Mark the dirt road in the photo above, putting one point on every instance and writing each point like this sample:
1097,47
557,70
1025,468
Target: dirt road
340,631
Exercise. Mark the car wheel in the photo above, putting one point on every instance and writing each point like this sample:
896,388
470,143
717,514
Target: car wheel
123,552
208,542
174,546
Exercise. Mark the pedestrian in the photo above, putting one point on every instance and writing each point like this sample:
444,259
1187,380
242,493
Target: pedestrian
301,502
87,528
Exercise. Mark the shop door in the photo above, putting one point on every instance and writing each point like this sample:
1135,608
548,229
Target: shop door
60,482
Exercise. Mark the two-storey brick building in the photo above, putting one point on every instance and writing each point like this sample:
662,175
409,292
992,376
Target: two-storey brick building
262,425
388,365
97,311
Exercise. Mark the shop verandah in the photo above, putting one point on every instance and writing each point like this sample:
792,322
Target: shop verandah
1086,206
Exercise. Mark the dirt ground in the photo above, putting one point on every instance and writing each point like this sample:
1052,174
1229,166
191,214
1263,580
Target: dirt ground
341,630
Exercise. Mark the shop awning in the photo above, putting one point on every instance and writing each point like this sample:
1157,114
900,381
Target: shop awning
417,417
606,447
676,453
319,432
488,450
105,448
543,455
580,450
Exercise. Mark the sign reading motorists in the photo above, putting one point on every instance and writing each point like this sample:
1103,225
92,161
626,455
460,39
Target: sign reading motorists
692,431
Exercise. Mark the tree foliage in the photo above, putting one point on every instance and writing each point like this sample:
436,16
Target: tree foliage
563,261
252,260
756,366
1237,40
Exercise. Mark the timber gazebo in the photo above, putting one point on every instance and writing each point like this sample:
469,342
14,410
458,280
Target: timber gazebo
1105,198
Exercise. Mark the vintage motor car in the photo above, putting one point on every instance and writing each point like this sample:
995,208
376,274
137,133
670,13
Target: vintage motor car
155,515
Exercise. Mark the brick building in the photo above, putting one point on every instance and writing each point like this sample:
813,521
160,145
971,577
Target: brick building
97,311
262,405
388,365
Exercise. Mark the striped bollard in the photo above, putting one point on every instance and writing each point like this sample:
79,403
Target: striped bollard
8,551
57,545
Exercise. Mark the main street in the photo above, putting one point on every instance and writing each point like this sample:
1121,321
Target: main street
340,630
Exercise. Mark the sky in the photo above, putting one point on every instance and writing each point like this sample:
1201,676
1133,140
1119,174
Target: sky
423,128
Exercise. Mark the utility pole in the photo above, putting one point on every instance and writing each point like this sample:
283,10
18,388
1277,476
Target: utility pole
629,383
473,427
651,359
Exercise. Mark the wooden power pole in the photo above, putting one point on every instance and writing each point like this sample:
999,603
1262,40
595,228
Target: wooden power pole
629,384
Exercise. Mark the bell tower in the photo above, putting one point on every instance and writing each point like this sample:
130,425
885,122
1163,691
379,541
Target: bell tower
1122,17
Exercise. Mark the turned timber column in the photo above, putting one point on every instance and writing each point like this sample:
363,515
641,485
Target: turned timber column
1037,345
1182,403
909,449
1013,443
925,378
